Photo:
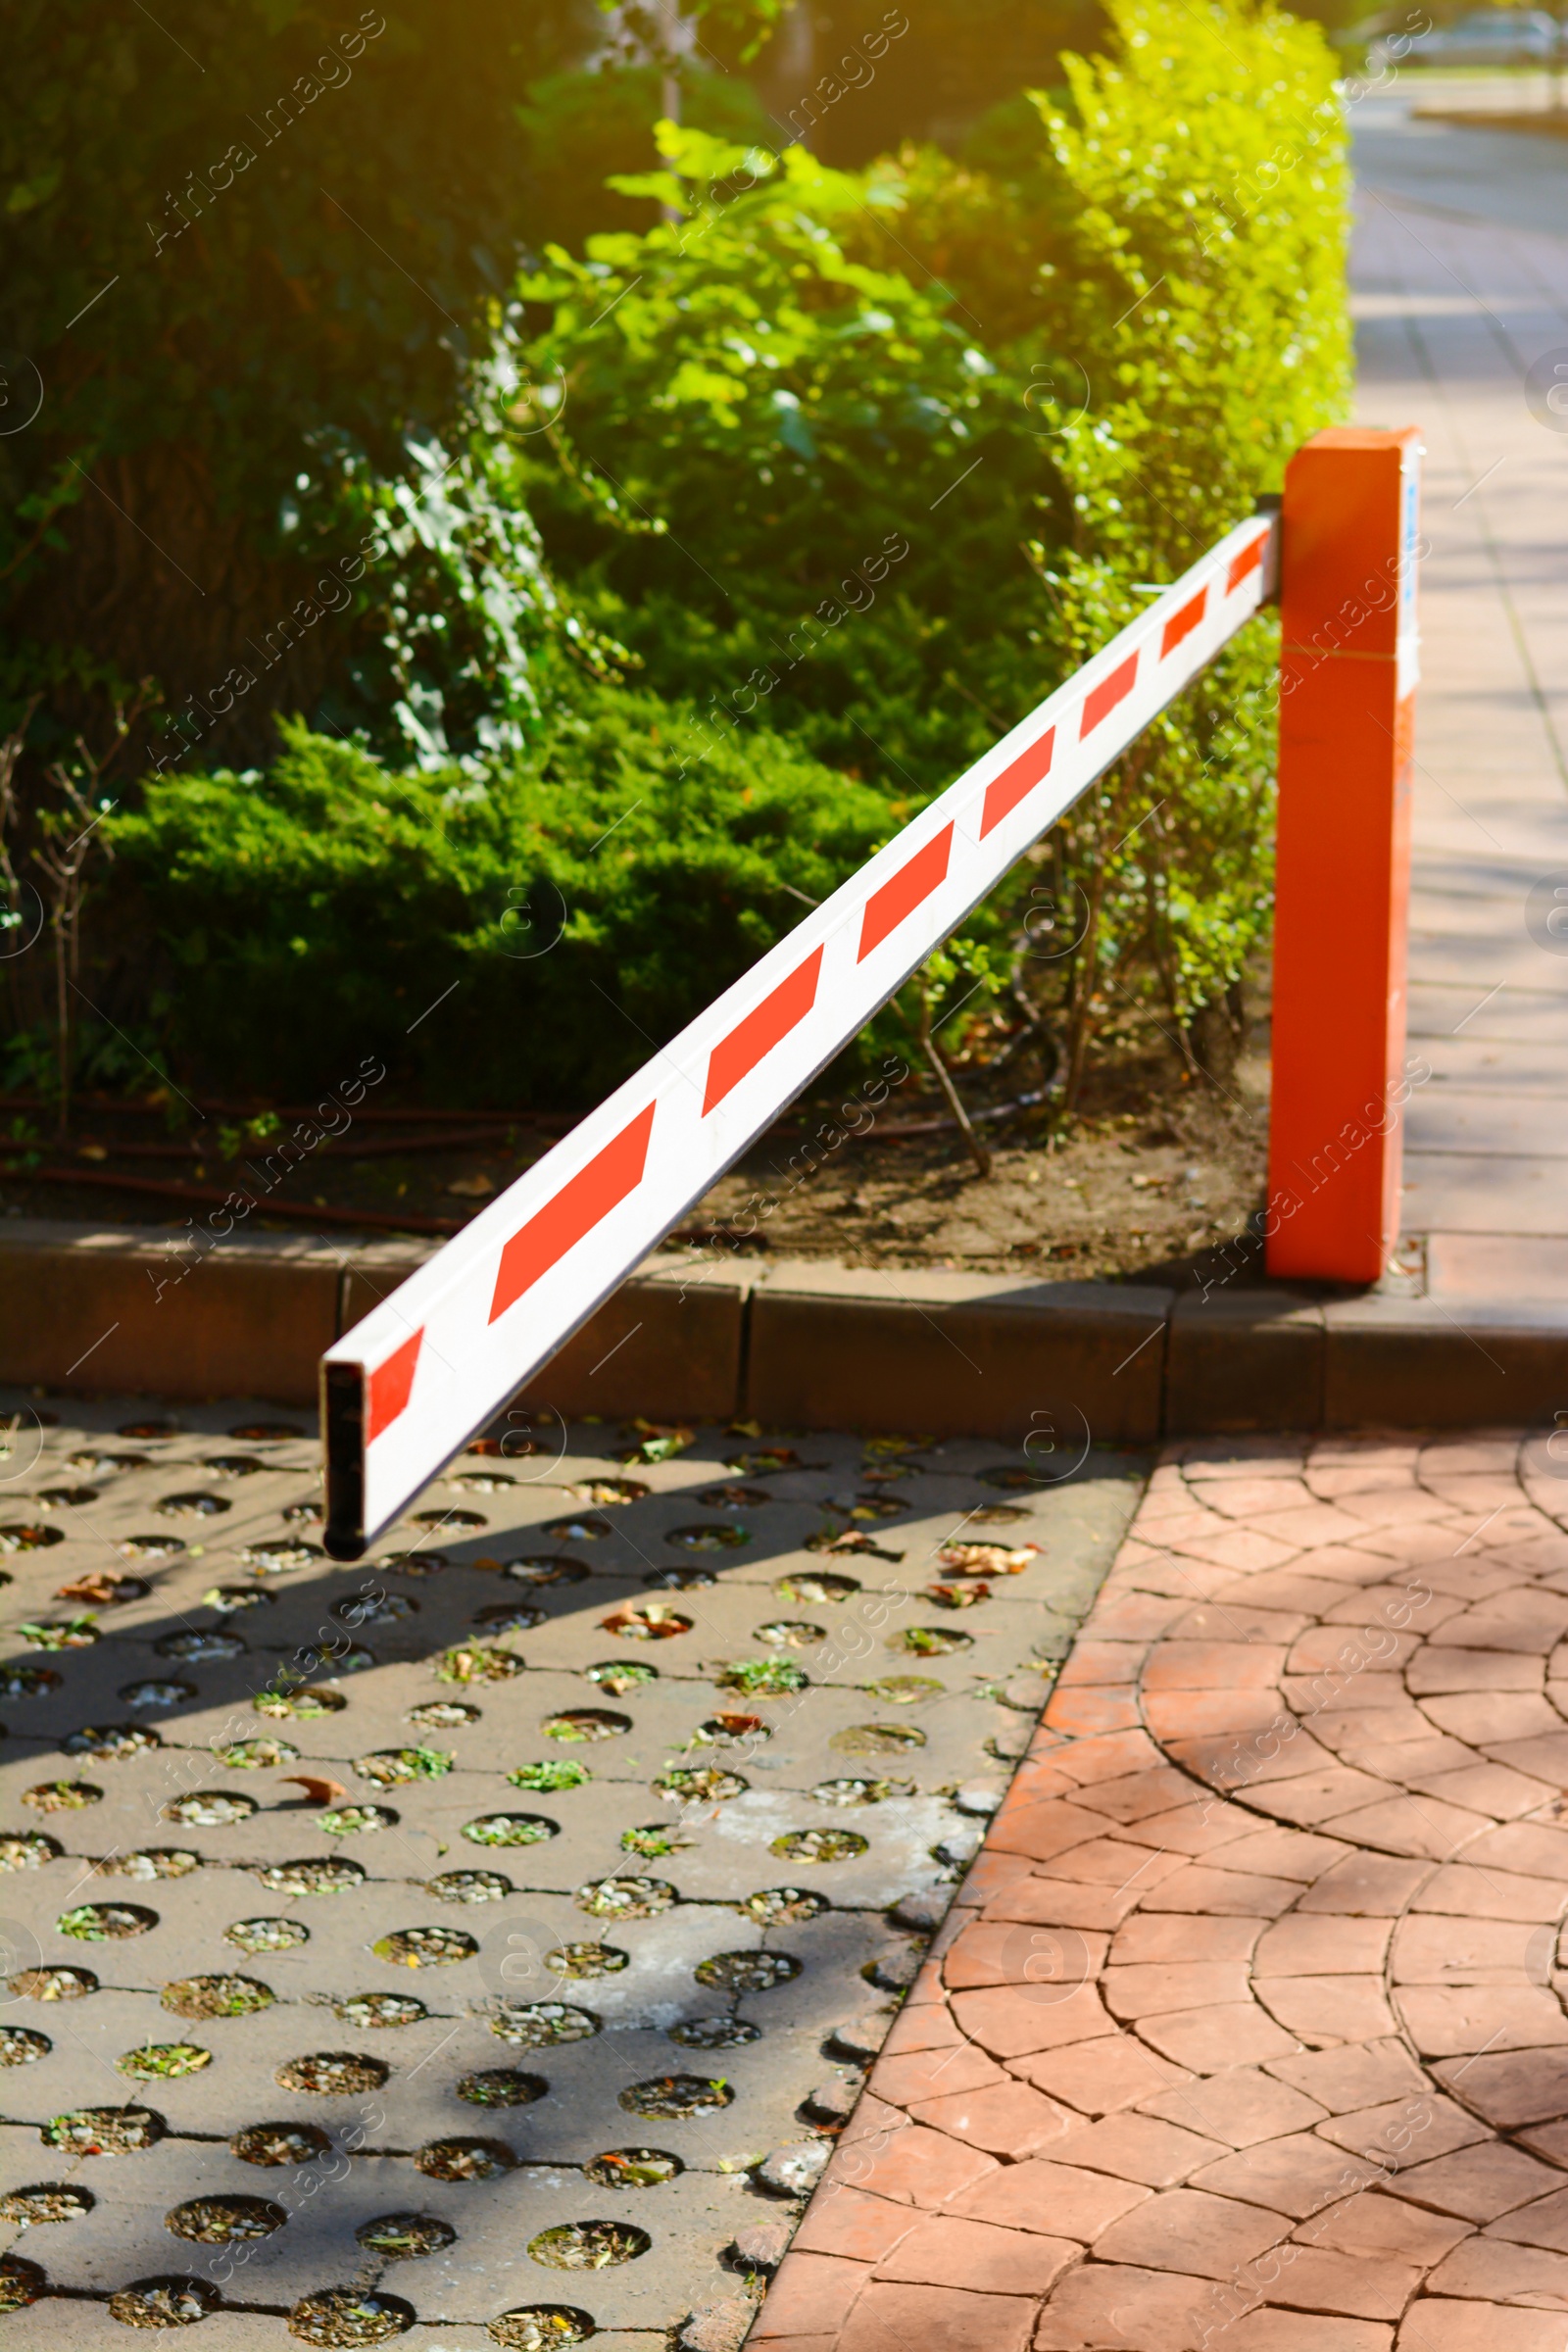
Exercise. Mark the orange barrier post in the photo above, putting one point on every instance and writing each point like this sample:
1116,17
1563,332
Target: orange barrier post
1348,677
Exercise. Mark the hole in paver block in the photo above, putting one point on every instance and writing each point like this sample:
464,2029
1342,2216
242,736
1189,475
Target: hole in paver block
586,1723
585,1960
105,1923
618,1676
420,1562
347,2316
279,2143
820,1845
712,2034
876,1739
502,2087
357,1820
701,1784
784,1906
544,1569
267,1934
309,1876
209,1810
278,1558
103,1587
164,2061
465,2158
50,2201
193,1505
510,1829
303,1706
654,1621
425,1948
817,1587
625,1898
860,1792
401,1767
164,2303
156,1695
790,1634
539,2024
762,1677
380,2009
331,2073
216,1996
674,2097
633,2167
20,2047
21,2283
588,2245
746,1972
468,1887
220,2221
509,1617
405,2237
22,1537
104,2131
200,1643
541,2327
27,1682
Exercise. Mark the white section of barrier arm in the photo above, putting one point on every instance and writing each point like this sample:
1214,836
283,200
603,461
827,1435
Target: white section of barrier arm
408,1388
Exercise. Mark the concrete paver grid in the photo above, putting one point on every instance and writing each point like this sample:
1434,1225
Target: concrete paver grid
1246,2029
1462,287
146,1704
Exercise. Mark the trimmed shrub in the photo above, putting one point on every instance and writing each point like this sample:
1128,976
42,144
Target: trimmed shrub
580,904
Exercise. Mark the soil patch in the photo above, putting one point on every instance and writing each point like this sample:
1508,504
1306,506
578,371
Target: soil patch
1162,1167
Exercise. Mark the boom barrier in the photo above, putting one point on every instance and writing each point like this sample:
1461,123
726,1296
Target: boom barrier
431,1366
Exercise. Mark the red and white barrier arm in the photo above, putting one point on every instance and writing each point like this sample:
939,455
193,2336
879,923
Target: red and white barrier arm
406,1389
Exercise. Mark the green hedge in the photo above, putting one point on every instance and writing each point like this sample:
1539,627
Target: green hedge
853,468
579,905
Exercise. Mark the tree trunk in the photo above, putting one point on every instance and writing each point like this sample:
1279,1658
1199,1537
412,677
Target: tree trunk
158,579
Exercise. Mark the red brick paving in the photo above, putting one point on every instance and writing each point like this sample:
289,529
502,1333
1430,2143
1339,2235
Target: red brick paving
1245,2033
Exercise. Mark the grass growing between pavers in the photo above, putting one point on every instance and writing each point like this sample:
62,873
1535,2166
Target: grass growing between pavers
515,1914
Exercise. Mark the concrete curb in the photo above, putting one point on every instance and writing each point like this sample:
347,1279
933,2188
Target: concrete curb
129,1311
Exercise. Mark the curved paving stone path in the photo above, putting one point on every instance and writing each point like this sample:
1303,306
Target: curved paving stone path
1245,2028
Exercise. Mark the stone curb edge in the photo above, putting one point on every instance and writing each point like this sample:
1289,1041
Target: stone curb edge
124,1312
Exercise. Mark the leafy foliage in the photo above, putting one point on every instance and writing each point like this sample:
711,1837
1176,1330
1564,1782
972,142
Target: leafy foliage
1211,204
788,477
247,250
582,902
1090,359
676,573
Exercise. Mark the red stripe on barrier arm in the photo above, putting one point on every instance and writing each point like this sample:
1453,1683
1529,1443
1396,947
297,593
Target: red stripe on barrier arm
1248,560
390,1385
1016,783
1101,702
579,1221
735,1056
574,1213
888,908
1182,624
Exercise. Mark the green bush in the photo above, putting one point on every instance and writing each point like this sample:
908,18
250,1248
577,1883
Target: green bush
761,408
1052,374
580,904
1206,283
855,468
